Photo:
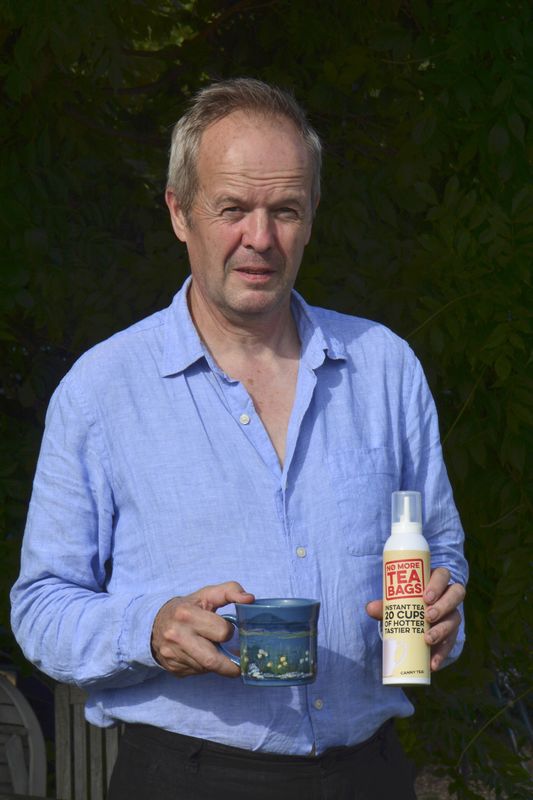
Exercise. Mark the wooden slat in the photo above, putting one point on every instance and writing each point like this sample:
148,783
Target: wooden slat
9,715
17,765
63,743
81,767
77,696
85,774
96,762
8,730
6,784
8,796
112,736
26,754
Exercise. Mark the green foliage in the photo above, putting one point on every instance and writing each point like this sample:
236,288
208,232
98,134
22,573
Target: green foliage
426,224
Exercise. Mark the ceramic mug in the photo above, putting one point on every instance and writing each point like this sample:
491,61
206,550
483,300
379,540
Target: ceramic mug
277,638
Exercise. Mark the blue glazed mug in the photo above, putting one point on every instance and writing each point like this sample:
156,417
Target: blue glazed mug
277,638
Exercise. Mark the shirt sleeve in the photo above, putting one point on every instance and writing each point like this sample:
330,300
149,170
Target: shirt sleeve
65,621
424,470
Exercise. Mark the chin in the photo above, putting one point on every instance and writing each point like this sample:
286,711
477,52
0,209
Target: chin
257,307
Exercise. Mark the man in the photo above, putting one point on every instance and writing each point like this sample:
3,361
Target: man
239,441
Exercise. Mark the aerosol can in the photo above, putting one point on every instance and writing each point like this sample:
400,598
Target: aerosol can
406,656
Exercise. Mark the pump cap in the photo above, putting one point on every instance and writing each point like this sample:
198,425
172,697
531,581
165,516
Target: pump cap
407,512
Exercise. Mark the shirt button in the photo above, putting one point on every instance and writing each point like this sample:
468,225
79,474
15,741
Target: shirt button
301,552
244,419
318,704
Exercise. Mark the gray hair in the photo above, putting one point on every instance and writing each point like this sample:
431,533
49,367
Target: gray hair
217,101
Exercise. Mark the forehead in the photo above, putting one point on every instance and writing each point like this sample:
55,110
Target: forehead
255,148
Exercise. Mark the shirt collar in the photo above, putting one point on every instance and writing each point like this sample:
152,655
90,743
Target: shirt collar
318,343
183,346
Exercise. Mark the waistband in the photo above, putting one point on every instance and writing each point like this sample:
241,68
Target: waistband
193,746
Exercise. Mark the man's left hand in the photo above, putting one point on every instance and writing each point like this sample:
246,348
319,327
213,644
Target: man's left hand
441,599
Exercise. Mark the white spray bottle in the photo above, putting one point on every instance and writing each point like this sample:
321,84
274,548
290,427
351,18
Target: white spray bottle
406,656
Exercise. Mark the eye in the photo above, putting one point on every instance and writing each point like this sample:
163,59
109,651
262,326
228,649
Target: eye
286,212
233,212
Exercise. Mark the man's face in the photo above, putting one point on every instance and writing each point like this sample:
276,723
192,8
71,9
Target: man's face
251,217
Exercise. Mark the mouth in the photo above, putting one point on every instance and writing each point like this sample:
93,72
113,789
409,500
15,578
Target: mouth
255,270
256,276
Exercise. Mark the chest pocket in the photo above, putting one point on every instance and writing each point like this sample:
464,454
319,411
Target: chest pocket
362,482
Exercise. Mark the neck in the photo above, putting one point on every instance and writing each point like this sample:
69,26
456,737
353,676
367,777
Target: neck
254,337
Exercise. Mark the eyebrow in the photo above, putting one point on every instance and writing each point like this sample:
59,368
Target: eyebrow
228,200
232,200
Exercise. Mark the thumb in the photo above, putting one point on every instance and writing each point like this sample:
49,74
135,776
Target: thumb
374,609
220,594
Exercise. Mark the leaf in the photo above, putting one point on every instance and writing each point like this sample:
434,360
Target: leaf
498,140
24,299
451,191
516,126
523,413
487,236
524,106
36,241
330,71
502,367
463,241
502,92
479,214
467,204
26,395
425,128
516,39
426,192
498,336
519,198
513,451
386,210
468,151
506,168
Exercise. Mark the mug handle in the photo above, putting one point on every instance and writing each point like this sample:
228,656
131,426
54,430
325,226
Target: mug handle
232,657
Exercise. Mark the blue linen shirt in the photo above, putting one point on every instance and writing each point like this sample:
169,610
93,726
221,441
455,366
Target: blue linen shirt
156,477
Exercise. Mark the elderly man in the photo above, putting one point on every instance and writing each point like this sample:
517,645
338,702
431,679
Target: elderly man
239,441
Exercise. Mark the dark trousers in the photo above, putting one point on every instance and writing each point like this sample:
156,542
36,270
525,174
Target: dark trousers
153,764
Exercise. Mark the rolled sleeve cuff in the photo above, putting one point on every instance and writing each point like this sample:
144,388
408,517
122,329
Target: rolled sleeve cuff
135,639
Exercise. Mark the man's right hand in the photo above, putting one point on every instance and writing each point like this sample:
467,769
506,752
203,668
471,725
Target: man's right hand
186,627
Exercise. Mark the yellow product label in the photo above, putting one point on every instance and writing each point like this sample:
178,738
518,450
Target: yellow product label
405,653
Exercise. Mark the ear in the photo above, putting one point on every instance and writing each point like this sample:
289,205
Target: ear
177,217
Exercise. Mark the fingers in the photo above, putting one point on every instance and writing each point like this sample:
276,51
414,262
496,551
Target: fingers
445,601
442,599
187,643
185,630
437,584
442,638
181,664
218,595
374,609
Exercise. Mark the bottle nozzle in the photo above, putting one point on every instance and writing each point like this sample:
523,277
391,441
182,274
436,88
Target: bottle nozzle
407,511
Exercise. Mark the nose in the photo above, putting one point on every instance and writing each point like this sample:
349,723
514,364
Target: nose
258,231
